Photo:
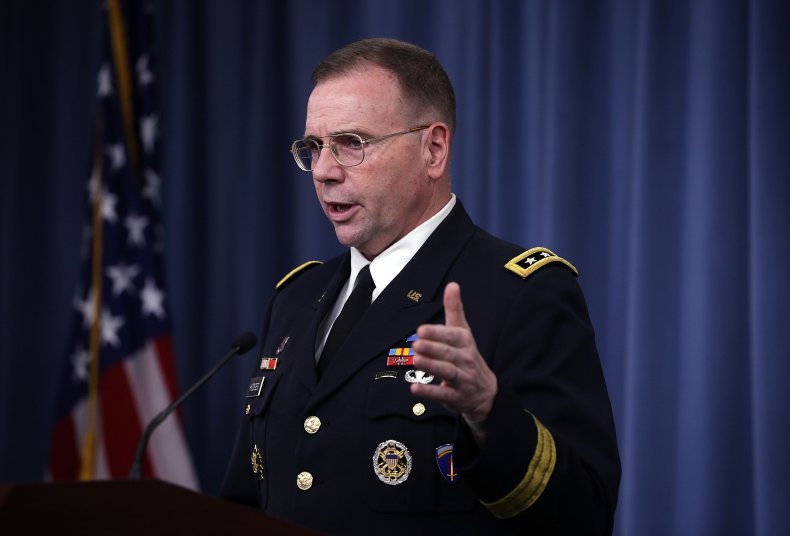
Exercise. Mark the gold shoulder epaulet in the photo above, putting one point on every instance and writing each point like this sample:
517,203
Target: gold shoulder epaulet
296,271
533,260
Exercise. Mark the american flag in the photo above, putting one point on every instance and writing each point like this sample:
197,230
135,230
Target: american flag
119,368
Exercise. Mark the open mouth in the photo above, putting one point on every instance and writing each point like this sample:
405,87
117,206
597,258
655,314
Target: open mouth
339,207
341,212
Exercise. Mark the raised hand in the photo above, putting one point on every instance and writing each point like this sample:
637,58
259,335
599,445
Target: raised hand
449,351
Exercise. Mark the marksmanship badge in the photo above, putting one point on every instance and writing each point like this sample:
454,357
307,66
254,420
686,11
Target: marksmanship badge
392,462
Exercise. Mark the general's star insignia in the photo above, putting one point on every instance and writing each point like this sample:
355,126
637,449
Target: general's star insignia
529,262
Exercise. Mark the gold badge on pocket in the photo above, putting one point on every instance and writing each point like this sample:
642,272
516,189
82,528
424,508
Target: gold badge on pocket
392,462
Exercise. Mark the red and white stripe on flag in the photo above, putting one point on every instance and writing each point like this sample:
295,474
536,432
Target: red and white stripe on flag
133,392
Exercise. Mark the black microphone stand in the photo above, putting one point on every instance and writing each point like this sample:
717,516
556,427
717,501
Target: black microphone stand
243,342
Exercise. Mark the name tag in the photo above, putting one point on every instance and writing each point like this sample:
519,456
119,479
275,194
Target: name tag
256,384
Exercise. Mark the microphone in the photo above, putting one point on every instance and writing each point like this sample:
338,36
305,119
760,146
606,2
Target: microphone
240,345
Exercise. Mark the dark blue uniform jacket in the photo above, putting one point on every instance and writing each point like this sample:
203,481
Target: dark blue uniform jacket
550,463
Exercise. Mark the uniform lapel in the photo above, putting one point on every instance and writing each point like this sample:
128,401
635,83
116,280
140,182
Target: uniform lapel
411,299
318,309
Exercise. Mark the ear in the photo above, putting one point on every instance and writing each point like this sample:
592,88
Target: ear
437,150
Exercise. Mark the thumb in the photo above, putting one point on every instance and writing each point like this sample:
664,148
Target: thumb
453,306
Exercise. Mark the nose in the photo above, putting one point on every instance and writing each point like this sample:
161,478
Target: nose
327,168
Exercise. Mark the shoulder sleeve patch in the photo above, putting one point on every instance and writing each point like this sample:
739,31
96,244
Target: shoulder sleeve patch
533,260
295,272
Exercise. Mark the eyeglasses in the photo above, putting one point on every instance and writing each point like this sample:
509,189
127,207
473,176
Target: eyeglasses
347,148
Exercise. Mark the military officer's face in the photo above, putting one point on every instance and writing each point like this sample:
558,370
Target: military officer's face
375,203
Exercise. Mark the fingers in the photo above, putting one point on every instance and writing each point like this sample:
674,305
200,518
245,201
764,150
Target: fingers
455,376
454,307
442,349
449,351
455,330
441,367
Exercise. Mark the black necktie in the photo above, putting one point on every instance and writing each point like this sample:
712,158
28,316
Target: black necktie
353,309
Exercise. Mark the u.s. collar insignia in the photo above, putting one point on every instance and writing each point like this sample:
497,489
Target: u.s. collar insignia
257,462
392,462
418,376
444,460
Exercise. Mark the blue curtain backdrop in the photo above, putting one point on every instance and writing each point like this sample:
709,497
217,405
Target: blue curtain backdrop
645,140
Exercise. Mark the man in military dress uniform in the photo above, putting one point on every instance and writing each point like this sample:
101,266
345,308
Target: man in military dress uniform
433,379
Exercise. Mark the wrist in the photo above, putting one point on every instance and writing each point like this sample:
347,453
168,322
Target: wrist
476,426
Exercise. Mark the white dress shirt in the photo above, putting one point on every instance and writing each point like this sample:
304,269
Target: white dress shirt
383,269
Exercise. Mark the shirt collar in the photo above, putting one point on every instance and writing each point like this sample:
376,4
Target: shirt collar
388,264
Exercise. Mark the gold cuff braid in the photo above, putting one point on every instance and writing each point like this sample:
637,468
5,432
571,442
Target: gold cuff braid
535,480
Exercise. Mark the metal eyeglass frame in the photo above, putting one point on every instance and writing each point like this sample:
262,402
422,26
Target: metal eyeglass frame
328,143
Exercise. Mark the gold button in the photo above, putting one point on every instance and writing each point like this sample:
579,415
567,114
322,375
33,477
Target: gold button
418,409
247,409
304,481
312,424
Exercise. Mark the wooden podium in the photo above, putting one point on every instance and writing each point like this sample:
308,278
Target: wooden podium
139,507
